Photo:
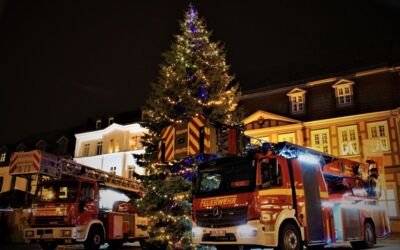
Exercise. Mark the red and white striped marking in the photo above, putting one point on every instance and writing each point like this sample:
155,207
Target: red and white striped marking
25,162
167,134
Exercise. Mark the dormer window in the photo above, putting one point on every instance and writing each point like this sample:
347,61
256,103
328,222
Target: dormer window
297,101
62,145
41,145
98,123
110,120
343,92
21,147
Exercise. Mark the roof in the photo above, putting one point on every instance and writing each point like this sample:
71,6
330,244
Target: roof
271,87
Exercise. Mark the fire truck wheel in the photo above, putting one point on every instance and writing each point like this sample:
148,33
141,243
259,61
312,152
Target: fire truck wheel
94,239
289,237
369,237
48,245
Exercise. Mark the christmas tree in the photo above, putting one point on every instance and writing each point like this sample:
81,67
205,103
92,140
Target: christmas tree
194,80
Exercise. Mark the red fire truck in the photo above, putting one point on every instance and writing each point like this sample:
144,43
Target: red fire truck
286,196
66,208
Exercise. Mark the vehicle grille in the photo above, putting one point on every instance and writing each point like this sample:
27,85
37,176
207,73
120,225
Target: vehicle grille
230,217
49,220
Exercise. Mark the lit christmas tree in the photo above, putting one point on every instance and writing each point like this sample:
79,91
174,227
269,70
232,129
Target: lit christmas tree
194,80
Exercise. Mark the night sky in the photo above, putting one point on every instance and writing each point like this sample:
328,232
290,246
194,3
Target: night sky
62,62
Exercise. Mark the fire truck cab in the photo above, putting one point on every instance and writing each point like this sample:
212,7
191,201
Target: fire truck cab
285,196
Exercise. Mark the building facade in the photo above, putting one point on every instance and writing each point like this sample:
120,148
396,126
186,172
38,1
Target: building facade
355,116
111,149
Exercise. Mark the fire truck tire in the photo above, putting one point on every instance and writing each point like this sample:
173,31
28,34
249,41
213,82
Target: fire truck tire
289,237
48,245
369,237
95,238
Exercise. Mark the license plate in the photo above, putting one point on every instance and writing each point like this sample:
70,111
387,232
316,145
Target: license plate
218,233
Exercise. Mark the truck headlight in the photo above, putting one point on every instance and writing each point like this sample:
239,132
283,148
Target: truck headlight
66,233
196,232
265,216
247,231
29,233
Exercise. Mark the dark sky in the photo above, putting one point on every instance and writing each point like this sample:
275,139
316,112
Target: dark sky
62,62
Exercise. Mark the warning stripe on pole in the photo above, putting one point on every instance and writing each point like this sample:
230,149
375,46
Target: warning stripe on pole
167,135
194,126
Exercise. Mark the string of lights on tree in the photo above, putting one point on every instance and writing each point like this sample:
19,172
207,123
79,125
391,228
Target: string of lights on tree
194,80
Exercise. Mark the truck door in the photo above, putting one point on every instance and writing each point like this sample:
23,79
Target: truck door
88,202
315,231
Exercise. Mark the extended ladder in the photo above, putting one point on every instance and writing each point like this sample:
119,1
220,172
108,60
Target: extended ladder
36,161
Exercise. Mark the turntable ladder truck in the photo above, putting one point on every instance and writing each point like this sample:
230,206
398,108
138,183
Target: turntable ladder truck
66,205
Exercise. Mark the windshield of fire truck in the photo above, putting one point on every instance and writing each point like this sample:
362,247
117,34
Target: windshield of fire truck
57,192
225,177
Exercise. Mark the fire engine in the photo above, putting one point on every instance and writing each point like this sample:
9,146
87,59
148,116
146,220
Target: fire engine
286,196
67,210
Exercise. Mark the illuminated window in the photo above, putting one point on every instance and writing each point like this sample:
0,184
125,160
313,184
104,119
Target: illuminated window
259,140
111,146
297,103
348,140
343,92
297,100
378,131
134,143
86,149
98,123
289,137
320,140
99,148
116,146
113,170
110,120
3,157
131,172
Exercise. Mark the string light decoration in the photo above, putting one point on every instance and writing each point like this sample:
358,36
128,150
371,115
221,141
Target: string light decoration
193,80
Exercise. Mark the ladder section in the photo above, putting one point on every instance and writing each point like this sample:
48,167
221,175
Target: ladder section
117,182
36,161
